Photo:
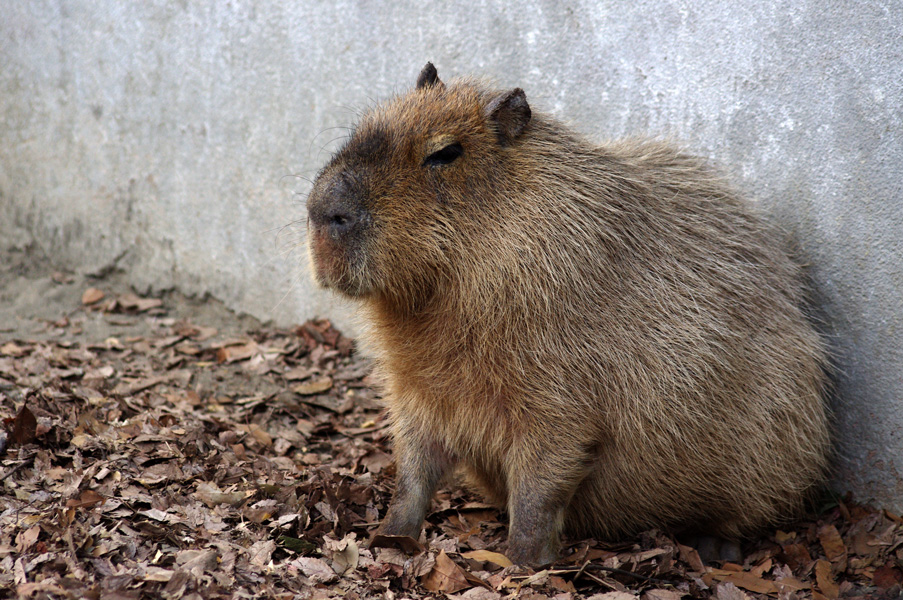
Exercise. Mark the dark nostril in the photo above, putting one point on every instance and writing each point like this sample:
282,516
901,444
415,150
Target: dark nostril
340,221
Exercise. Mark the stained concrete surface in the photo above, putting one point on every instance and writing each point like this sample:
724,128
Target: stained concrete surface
173,142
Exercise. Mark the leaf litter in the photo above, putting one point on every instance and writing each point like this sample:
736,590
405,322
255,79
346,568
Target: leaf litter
185,462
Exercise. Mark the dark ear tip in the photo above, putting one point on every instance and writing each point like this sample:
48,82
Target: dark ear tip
428,77
511,113
519,98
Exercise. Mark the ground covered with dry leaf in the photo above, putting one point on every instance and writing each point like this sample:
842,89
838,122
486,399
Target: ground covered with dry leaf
161,447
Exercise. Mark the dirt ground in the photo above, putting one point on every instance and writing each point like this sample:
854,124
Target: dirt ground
168,448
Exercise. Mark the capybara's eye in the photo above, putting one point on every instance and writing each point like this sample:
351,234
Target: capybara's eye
444,156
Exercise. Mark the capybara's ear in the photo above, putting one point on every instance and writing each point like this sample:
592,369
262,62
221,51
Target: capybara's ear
509,113
429,78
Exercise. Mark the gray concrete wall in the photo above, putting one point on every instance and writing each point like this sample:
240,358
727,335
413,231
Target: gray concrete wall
164,138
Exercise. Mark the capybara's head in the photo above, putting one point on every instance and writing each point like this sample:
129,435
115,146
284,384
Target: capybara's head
387,207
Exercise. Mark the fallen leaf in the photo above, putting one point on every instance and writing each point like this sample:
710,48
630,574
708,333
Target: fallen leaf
236,352
26,590
92,295
446,576
422,564
197,561
832,544
316,569
12,349
376,460
691,557
27,538
796,556
487,556
728,591
259,553
344,553
211,495
741,579
24,429
156,514
661,594
257,433
477,593
130,301
790,584
825,580
157,574
887,576
86,499
310,388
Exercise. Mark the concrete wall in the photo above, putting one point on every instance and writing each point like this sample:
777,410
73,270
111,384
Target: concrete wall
164,138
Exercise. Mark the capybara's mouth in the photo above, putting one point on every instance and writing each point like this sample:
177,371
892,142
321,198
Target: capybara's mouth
331,261
328,258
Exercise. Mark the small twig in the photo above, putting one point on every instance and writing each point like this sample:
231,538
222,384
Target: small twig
21,465
600,581
582,569
629,574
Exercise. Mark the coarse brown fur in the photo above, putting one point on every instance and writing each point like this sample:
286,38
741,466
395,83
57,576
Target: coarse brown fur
605,338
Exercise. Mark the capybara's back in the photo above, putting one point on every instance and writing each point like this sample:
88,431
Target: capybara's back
606,338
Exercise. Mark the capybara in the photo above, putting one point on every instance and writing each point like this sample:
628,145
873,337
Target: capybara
604,338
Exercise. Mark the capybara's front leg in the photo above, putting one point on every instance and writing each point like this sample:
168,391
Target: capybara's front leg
534,534
420,466
536,504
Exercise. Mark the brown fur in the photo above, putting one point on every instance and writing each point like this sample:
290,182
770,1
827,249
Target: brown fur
605,338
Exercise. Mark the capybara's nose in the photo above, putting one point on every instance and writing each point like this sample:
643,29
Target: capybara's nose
334,209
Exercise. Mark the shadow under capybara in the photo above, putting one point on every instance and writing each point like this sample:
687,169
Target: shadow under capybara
605,338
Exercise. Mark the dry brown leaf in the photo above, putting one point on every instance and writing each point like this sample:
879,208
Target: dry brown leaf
316,569
691,557
741,579
233,353
728,591
130,301
157,515
487,556
344,553
259,553
24,427
92,295
476,593
27,590
796,556
887,576
299,373
661,594
197,562
27,538
211,495
446,576
376,460
762,568
612,596
86,499
832,544
160,574
310,388
254,430
12,349
825,580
